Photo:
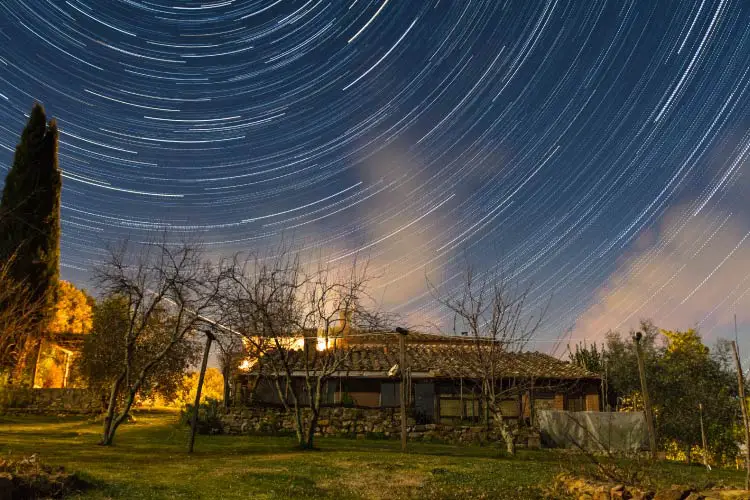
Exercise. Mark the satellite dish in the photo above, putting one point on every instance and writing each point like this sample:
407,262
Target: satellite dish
394,371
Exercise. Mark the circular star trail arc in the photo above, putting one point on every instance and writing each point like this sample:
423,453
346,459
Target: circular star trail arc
596,151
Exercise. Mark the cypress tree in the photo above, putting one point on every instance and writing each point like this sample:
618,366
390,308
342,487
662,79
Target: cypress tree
30,216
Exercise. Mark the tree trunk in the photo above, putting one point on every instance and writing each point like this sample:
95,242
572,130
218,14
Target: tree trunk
197,403
311,426
509,438
299,428
111,410
120,419
507,433
227,388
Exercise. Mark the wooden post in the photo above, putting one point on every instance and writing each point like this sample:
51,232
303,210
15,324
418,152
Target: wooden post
605,387
66,373
743,403
703,437
646,400
196,405
402,348
36,359
531,404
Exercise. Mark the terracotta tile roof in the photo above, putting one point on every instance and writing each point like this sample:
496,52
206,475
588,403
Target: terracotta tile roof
388,338
449,361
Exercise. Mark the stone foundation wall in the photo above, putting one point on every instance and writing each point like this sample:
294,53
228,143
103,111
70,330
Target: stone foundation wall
367,423
23,400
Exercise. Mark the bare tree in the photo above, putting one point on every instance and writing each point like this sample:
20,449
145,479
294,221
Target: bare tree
280,307
18,310
489,311
166,289
232,352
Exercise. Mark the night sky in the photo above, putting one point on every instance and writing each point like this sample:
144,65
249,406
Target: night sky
598,152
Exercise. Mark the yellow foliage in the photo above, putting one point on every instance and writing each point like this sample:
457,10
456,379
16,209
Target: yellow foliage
632,402
73,311
213,387
678,454
687,341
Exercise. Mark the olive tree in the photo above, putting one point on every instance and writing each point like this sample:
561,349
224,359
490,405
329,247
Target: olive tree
165,290
491,312
293,318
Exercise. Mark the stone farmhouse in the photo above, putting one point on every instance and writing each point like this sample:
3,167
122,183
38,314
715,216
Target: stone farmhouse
363,396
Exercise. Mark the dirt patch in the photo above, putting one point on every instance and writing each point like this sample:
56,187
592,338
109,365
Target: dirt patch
27,478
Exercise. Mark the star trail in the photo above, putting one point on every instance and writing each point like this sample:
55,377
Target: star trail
598,151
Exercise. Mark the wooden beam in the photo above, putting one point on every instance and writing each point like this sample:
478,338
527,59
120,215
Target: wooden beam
196,405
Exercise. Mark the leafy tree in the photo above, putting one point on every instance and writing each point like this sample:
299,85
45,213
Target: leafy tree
166,289
104,352
30,222
73,314
622,365
682,373
689,377
213,387
73,310
588,357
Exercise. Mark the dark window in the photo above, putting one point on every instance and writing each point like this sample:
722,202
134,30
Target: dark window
265,392
360,392
329,395
576,403
424,402
361,385
456,409
390,394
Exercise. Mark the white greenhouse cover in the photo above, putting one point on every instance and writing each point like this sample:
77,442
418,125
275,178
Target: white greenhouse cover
594,431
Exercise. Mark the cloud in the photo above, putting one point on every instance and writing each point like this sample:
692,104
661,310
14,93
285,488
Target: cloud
692,271
406,224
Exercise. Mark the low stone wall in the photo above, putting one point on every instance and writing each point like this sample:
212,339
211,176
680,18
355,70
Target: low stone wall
23,400
366,423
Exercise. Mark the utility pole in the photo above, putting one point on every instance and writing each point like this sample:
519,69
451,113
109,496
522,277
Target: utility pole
743,403
402,332
644,390
196,405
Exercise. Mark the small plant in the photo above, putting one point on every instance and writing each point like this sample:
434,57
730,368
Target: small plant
209,416
347,401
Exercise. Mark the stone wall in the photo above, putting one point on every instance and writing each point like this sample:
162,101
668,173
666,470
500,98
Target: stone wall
23,400
367,423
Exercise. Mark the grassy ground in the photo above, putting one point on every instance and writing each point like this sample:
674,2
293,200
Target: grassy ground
148,460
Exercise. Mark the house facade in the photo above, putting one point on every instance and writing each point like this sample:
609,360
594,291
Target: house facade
443,388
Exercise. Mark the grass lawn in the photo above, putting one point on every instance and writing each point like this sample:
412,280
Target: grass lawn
148,460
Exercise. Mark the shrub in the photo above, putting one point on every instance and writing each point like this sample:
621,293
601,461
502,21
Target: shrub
209,416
